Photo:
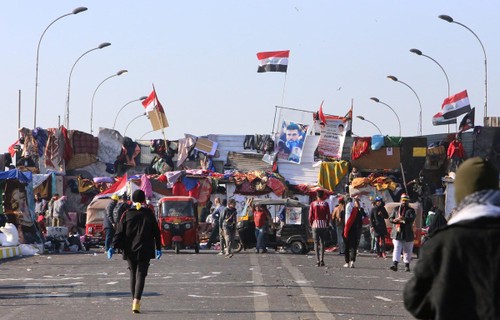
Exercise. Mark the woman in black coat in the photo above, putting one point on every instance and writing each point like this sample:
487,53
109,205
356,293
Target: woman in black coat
138,235
378,214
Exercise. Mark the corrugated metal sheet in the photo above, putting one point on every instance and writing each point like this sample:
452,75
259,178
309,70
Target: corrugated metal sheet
303,172
247,162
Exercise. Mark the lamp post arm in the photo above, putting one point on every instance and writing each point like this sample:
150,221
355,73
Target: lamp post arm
126,104
37,60
485,68
92,103
126,128
419,103
374,125
69,85
442,69
399,122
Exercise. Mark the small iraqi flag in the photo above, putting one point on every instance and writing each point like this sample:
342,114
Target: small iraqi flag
273,61
439,120
455,105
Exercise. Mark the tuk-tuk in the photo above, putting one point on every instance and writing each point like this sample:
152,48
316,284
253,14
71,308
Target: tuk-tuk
417,225
293,233
178,222
94,228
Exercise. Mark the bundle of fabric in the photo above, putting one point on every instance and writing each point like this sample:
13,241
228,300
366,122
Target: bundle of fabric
84,143
360,146
331,173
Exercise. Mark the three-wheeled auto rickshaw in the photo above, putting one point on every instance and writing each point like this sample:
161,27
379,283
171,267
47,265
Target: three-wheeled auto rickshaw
417,225
178,222
293,233
94,226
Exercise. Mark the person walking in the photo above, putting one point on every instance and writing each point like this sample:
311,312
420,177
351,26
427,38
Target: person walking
138,236
457,275
319,219
378,214
220,207
352,230
228,219
338,218
402,218
109,222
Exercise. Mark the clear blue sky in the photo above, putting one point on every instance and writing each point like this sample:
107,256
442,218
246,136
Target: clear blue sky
201,57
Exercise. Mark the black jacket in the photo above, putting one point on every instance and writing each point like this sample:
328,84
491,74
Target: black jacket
405,232
458,273
137,234
108,217
378,214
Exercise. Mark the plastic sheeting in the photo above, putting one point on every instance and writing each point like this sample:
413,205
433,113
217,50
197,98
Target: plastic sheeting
110,145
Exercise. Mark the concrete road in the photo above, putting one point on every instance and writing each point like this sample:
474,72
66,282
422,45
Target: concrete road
202,286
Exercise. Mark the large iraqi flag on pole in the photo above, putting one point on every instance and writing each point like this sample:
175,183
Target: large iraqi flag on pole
455,105
273,61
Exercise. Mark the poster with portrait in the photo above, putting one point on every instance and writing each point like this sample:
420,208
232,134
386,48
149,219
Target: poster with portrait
294,215
292,136
332,137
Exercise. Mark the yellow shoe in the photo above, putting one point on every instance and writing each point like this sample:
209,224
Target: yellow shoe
136,307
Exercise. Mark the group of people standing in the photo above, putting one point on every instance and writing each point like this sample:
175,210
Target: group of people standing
348,219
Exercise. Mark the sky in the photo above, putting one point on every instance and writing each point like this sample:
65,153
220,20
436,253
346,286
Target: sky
201,58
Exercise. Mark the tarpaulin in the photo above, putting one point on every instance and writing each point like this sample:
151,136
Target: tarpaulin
110,145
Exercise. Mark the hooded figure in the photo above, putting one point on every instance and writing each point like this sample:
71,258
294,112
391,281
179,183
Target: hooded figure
458,273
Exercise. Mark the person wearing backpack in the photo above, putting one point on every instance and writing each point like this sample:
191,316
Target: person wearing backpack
119,209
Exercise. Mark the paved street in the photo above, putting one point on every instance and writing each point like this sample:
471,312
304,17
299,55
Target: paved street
202,286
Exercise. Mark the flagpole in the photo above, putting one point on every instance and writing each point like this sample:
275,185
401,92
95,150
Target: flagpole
274,121
283,94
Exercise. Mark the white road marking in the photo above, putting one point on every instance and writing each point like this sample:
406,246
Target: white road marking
260,303
383,298
253,295
112,282
333,297
312,297
206,277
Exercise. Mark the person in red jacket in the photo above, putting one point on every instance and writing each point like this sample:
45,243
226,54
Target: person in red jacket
455,154
319,219
262,220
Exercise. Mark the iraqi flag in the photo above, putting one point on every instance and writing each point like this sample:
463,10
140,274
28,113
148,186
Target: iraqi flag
439,120
468,121
155,111
273,61
455,105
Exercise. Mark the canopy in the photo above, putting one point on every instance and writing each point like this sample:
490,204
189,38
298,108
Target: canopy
16,174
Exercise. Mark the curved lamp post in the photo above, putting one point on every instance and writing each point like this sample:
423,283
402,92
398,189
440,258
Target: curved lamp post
126,128
119,73
363,118
146,134
75,11
393,78
101,46
126,104
450,20
378,101
419,53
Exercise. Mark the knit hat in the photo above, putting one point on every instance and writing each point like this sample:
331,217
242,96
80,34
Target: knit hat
138,196
473,175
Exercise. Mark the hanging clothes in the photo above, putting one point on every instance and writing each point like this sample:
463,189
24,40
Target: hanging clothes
360,146
331,173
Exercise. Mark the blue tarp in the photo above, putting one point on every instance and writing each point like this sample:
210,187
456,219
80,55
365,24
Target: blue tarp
23,176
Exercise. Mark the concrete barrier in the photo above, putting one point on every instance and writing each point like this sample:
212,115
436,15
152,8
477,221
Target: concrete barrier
9,252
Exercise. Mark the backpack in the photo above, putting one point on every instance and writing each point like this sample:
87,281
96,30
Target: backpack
118,211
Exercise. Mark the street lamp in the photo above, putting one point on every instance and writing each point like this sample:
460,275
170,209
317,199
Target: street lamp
378,101
363,118
126,128
419,53
126,104
101,46
393,78
75,11
119,73
450,20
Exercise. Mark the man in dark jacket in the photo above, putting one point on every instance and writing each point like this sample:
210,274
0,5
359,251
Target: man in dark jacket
402,218
109,222
138,235
378,214
458,273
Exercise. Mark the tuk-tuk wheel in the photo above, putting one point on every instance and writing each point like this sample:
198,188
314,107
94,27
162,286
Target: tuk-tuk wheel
197,248
177,247
87,248
237,246
298,247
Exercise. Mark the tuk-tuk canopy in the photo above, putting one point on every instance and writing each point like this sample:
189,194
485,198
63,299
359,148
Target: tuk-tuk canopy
279,202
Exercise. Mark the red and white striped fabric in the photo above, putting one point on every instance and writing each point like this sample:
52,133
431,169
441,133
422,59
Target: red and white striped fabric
455,105
273,61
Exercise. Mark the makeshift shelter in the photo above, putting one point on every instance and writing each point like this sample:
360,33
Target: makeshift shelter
18,203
